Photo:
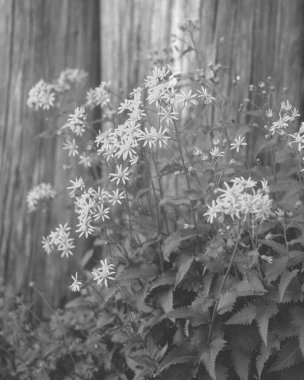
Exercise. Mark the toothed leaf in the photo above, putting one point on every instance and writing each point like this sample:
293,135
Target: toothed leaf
285,280
183,264
241,361
181,354
243,317
209,352
226,302
290,355
264,313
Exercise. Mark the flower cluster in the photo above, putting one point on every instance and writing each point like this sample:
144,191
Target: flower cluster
241,200
77,121
162,85
42,95
92,205
287,114
41,192
104,273
98,96
101,275
59,240
123,142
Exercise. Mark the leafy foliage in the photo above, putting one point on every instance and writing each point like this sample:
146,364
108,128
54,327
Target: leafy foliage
208,281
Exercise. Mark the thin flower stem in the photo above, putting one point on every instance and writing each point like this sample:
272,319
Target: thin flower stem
161,193
129,214
221,288
186,171
157,217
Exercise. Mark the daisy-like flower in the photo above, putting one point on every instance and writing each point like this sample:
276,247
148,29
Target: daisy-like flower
215,152
71,146
206,97
121,175
269,113
75,287
47,245
280,125
104,273
168,116
78,184
77,121
197,152
98,96
101,212
298,139
59,240
188,98
212,212
215,141
238,142
116,197
85,160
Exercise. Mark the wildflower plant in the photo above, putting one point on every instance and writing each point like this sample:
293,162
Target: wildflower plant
205,281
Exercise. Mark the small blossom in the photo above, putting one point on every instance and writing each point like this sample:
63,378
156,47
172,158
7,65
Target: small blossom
269,259
59,240
78,184
269,113
71,146
188,98
206,97
104,273
116,197
238,142
85,160
77,121
98,96
215,152
75,287
121,175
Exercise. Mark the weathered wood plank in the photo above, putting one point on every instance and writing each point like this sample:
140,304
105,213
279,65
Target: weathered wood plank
38,39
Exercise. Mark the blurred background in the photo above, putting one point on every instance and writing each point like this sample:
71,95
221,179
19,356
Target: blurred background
116,41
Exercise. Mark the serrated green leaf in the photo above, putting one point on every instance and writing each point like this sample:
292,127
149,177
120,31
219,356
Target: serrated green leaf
241,361
181,354
221,373
290,355
285,280
262,358
263,313
173,242
244,316
274,269
278,248
183,265
298,321
226,302
209,352
250,286
167,278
